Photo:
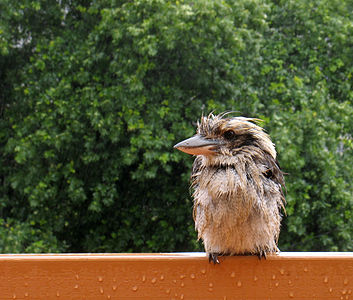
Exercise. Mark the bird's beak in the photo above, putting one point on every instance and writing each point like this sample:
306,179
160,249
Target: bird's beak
197,145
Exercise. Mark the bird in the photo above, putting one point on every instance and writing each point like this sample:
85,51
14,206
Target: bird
238,186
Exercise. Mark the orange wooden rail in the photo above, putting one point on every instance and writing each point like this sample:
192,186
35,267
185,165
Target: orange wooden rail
176,276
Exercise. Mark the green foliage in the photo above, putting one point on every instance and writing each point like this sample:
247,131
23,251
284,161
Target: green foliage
16,237
94,95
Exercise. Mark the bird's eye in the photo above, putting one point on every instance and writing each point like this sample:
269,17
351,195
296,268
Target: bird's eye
268,173
229,135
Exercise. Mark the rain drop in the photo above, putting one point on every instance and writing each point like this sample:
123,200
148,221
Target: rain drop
273,277
26,294
57,294
153,280
291,294
114,287
143,278
14,296
203,271
181,296
76,286
101,290
135,288
162,277
108,296
182,284
344,292
239,283
326,279
281,271
192,276
232,274
330,289
100,278
167,291
77,277
182,276
305,269
277,284
345,281
255,278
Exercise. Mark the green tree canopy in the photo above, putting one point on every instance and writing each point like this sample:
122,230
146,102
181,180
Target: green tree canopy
94,94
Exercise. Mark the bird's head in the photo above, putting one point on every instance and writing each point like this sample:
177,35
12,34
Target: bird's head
221,138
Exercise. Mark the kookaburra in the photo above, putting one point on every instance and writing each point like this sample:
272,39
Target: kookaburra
237,187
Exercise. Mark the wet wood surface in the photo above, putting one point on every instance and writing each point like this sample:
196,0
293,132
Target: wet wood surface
289,275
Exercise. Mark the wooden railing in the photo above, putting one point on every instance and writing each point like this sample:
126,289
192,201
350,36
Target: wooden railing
176,276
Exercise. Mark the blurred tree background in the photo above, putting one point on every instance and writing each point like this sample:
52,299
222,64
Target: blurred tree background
94,94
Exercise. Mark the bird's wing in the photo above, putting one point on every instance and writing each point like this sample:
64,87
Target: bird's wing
274,173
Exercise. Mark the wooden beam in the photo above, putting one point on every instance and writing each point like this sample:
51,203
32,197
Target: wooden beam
300,275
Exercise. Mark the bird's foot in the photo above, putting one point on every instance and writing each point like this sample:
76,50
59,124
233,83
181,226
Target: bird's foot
213,257
261,254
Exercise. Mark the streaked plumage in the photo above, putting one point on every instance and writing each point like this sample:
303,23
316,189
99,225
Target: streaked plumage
237,186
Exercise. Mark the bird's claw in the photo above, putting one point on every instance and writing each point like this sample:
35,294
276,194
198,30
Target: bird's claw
261,254
213,257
